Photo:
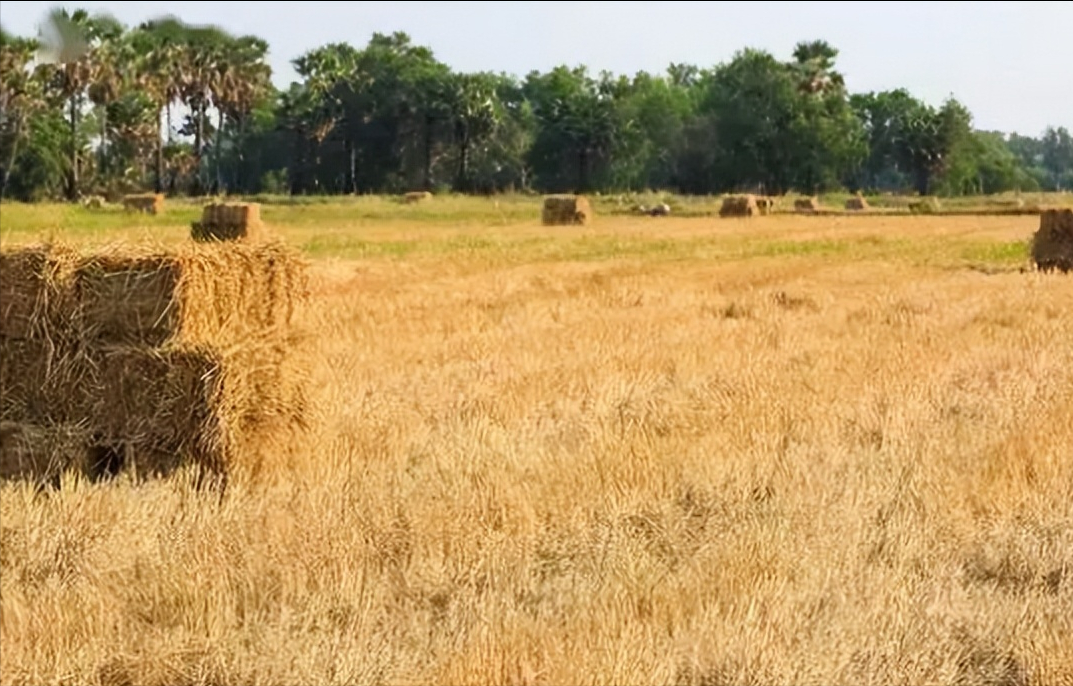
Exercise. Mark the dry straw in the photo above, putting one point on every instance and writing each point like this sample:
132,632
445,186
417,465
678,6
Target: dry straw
566,210
416,197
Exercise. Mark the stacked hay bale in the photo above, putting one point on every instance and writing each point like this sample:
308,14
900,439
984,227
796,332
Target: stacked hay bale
416,197
857,203
229,222
147,360
566,210
807,205
1052,245
739,206
150,203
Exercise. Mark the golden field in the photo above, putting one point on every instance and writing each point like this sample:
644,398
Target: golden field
783,450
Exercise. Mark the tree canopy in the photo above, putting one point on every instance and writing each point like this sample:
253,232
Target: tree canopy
92,106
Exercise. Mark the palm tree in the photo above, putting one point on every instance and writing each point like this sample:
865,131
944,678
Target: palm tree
814,63
474,115
20,98
248,82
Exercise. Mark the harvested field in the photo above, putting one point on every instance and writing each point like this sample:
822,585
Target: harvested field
801,449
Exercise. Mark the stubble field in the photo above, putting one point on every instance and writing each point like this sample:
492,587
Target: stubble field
805,450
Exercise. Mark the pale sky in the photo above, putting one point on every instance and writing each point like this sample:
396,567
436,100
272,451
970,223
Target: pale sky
1011,63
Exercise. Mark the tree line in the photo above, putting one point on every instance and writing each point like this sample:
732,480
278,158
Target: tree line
96,107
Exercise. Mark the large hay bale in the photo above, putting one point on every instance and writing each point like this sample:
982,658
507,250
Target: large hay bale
229,222
36,294
1052,244
566,210
857,203
805,205
171,357
739,206
150,203
416,197
208,294
765,205
42,453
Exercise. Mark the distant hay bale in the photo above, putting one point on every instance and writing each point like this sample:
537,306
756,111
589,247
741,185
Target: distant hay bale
765,205
150,203
739,206
1052,244
806,205
857,203
927,205
229,222
416,197
167,357
566,210
660,210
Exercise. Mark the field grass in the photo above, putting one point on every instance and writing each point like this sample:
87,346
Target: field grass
807,450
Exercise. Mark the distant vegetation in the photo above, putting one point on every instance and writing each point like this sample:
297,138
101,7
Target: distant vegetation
95,107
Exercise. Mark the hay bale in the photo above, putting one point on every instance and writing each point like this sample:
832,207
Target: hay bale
208,294
1052,244
149,203
416,197
660,210
925,206
36,291
566,210
857,203
229,222
94,202
43,381
739,206
765,205
42,453
805,205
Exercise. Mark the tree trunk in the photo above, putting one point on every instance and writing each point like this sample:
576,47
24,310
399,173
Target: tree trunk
5,171
240,157
428,153
199,133
923,180
167,112
295,172
158,183
351,182
72,176
218,152
463,164
583,170
102,158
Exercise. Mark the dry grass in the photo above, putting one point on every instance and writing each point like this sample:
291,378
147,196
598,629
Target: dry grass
809,450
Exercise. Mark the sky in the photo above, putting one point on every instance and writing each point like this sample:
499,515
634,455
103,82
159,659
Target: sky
1010,63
